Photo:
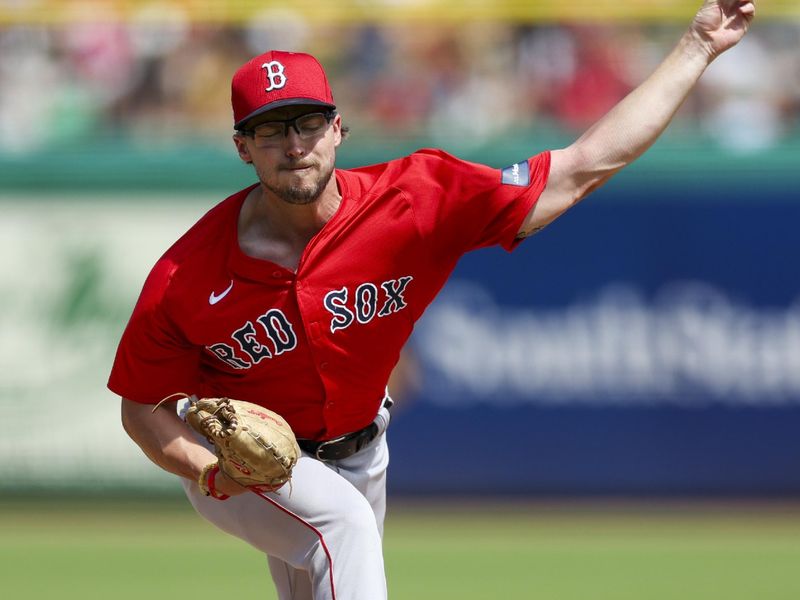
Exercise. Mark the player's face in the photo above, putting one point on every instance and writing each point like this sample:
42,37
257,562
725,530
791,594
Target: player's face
293,160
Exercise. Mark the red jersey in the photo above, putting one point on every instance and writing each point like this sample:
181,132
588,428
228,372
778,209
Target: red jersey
317,345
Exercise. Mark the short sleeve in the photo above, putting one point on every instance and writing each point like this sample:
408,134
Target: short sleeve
461,206
153,359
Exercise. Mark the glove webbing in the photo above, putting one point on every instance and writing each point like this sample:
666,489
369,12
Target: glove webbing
222,422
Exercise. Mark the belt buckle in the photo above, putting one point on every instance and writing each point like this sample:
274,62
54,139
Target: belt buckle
322,446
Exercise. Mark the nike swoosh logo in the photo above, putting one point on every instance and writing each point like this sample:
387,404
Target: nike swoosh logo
214,298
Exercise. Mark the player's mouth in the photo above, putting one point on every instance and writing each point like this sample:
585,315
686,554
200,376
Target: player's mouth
298,168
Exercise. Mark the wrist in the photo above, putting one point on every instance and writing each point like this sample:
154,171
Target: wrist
207,481
696,49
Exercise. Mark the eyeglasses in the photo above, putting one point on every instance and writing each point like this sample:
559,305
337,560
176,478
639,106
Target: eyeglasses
308,126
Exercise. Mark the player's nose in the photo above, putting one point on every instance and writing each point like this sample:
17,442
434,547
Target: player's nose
293,143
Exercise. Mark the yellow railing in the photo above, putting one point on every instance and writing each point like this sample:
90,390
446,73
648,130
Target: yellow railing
65,12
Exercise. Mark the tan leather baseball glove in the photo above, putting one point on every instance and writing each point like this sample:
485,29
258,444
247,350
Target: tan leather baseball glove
255,446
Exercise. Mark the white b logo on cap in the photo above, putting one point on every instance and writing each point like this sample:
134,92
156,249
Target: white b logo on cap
275,74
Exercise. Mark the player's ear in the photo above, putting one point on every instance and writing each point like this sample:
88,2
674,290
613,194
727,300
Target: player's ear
239,140
337,130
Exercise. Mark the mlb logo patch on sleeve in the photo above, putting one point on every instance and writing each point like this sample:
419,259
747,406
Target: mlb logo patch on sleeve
518,174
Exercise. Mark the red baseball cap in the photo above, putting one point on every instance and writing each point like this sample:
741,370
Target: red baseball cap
276,79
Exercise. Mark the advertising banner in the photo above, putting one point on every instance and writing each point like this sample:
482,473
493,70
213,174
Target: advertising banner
648,342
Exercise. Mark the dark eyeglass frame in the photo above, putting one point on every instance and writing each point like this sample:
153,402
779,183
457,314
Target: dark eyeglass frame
328,114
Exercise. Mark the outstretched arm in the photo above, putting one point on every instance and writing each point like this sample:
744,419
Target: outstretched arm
635,123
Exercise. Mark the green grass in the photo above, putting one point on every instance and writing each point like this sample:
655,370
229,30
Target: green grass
582,552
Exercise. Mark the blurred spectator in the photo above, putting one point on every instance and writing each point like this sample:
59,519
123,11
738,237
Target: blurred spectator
745,98
33,89
597,80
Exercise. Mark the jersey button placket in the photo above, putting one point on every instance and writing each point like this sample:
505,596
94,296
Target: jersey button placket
314,337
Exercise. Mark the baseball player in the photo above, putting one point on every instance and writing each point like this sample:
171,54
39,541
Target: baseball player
298,293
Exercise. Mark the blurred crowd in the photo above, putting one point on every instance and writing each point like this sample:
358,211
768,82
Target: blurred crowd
167,80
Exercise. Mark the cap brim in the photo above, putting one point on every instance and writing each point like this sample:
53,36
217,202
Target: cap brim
280,104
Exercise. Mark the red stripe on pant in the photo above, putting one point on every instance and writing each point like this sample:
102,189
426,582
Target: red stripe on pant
312,528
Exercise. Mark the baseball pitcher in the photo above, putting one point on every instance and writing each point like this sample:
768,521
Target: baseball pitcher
279,315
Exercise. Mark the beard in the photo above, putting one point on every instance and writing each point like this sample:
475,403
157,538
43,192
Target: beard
306,193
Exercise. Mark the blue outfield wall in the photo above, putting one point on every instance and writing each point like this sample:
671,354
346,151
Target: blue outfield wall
647,343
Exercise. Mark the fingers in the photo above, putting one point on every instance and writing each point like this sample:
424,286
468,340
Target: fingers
225,484
747,8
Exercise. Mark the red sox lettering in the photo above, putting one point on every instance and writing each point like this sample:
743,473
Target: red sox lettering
365,305
280,332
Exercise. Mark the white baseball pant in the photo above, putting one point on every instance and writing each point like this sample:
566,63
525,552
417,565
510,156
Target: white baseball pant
322,533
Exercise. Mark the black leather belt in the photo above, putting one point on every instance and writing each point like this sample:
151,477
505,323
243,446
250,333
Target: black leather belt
345,445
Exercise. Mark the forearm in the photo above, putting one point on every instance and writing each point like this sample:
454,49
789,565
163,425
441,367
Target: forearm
165,439
636,122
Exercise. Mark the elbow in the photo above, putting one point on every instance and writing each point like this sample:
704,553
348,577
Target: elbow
592,185
125,416
130,416
589,170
